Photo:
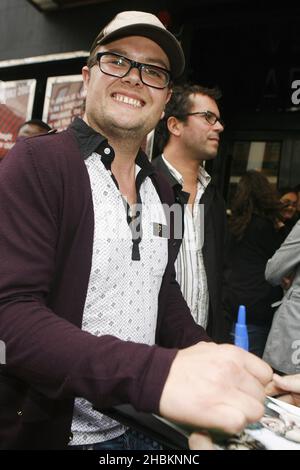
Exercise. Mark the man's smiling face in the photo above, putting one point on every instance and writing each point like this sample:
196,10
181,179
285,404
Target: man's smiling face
125,106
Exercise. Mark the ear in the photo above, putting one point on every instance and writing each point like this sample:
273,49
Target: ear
86,76
174,126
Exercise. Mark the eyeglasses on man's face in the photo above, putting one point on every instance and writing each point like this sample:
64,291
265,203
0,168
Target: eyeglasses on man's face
116,65
209,116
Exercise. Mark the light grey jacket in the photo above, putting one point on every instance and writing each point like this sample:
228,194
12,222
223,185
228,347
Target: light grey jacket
282,349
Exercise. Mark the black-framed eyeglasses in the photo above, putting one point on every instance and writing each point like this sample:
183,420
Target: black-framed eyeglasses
117,65
210,117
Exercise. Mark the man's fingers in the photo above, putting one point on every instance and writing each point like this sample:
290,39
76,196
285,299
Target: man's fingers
225,418
272,389
252,387
249,373
251,409
200,441
290,383
231,415
288,398
257,367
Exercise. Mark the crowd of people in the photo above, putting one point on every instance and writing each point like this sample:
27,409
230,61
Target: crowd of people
101,302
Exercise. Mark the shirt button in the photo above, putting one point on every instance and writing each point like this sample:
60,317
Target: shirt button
19,413
107,150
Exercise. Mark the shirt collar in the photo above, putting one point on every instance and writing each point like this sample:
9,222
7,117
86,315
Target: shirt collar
175,173
203,177
90,141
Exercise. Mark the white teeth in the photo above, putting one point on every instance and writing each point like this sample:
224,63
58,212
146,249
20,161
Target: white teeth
127,100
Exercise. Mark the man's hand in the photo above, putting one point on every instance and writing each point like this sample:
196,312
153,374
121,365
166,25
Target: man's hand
215,387
287,281
289,384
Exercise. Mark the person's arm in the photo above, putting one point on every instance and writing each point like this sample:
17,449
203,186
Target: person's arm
285,259
56,357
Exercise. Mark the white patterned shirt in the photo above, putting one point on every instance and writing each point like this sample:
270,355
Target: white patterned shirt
189,265
122,297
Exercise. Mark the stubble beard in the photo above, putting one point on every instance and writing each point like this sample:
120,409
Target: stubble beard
110,128
135,132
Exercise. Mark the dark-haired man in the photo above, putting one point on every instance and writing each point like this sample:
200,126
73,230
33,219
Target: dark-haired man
189,135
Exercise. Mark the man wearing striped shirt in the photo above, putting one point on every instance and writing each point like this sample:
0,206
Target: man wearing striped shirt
189,135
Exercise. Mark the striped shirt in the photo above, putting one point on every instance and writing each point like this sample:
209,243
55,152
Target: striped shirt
190,270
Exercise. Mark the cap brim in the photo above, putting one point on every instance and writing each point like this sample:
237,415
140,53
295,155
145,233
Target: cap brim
162,37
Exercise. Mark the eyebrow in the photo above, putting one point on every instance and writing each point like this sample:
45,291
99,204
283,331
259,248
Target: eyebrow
208,111
147,60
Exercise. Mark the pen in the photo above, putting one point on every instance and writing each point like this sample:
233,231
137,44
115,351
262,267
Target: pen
240,331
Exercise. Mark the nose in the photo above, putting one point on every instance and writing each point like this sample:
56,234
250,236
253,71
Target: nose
133,77
218,127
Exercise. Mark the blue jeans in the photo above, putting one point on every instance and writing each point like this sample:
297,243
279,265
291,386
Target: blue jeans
130,440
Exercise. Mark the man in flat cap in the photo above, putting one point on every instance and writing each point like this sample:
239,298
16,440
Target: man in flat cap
90,311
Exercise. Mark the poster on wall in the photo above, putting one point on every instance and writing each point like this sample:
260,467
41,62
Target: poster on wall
63,101
16,102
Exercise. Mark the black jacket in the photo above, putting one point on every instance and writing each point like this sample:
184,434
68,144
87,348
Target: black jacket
245,281
215,236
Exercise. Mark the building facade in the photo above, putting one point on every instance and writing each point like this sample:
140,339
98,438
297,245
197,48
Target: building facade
249,49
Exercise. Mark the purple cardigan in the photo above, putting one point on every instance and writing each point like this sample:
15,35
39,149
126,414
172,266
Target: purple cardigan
46,237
